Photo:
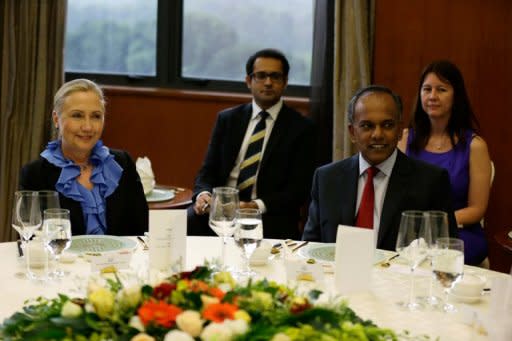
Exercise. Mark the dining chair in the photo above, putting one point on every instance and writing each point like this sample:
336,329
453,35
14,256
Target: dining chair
485,263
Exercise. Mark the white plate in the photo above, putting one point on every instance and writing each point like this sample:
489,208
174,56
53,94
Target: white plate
510,234
157,195
100,243
465,299
325,252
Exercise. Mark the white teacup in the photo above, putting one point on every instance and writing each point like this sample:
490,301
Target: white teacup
261,254
469,286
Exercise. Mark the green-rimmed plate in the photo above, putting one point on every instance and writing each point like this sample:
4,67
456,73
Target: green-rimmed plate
326,252
100,243
159,194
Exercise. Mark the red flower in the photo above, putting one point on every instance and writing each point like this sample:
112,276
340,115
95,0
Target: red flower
218,312
216,292
163,291
159,313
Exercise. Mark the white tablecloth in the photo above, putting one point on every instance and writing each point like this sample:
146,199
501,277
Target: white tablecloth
379,304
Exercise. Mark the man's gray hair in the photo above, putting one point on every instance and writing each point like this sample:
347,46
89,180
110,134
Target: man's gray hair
373,89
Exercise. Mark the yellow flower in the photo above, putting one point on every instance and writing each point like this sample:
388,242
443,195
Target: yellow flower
280,337
103,302
207,300
242,315
190,322
142,337
71,310
263,299
224,277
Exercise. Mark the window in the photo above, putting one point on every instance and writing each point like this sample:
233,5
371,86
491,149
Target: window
193,44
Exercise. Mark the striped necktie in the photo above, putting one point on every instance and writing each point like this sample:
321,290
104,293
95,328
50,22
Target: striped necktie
249,166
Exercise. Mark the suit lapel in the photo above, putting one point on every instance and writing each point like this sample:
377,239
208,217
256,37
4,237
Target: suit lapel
344,193
239,126
395,194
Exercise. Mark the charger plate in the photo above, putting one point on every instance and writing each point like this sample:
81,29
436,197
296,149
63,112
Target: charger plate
325,252
100,243
159,194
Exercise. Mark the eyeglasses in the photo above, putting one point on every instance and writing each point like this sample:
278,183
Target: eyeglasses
262,76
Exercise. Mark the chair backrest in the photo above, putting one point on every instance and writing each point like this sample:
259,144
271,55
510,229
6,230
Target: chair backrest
493,172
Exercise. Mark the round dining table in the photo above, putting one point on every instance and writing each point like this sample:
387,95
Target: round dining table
389,284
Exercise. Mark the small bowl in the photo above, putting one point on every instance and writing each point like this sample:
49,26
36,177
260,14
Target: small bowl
68,257
469,285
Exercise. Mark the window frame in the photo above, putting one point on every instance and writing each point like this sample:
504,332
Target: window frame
168,75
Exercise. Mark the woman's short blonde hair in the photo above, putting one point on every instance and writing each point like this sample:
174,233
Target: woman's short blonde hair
75,85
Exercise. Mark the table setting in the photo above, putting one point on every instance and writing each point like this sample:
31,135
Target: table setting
346,278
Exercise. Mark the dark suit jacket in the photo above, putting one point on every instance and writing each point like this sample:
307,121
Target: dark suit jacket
413,185
127,209
286,170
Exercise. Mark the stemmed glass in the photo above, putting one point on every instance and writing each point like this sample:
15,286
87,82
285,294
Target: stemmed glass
57,233
448,265
26,214
437,227
48,199
412,244
248,235
223,206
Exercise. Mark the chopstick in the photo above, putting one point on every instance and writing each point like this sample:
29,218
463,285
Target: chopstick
299,246
143,242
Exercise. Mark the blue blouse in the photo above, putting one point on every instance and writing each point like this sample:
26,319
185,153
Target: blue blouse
105,178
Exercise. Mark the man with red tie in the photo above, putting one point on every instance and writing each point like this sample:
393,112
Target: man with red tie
372,188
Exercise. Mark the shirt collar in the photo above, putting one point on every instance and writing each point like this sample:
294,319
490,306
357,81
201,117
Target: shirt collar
273,110
384,167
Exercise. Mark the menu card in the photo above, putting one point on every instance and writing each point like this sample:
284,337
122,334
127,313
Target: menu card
355,249
167,240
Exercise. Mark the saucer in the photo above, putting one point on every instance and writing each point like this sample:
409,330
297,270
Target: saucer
465,299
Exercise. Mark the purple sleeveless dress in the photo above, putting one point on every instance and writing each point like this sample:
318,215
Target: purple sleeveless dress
456,162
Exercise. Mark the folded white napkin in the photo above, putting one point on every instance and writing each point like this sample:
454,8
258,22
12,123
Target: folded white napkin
143,166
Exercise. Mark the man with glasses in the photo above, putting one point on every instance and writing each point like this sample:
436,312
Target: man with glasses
264,148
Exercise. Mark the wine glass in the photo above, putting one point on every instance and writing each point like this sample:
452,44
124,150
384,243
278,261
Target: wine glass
412,244
26,214
448,265
57,233
248,235
48,199
223,206
437,227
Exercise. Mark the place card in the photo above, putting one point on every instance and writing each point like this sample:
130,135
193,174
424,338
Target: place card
116,259
167,240
354,255
300,270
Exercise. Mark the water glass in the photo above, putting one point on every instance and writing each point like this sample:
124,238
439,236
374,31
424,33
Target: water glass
38,260
48,199
448,266
57,232
248,235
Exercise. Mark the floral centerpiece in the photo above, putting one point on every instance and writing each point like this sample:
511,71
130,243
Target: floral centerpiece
196,305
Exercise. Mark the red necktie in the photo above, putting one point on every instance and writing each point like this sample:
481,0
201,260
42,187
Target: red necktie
365,214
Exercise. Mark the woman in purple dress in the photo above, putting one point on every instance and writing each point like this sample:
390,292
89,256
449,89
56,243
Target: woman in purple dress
443,131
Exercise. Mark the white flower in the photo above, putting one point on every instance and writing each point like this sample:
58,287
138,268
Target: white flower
70,310
129,297
190,322
136,323
280,337
177,335
216,332
142,337
238,327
